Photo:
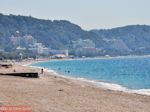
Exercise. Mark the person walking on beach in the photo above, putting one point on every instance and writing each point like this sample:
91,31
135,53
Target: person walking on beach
42,70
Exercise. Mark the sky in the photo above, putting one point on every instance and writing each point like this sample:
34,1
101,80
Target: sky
89,14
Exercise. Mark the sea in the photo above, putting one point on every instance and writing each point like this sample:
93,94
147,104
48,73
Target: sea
128,74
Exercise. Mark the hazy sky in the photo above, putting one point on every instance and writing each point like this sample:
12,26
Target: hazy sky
89,14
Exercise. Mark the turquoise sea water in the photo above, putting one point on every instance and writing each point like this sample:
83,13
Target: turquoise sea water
132,73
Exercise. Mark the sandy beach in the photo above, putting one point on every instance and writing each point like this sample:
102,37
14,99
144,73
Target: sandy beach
50,93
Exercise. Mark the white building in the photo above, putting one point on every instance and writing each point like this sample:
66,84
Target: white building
65,52
39,48
22,41
21,48
43,50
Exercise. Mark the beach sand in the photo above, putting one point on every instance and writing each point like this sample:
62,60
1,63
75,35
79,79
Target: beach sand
50,93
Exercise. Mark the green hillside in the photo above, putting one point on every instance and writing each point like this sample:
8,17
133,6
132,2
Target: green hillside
136,38
54,34
59,34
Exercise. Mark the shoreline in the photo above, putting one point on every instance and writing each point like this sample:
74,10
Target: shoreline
50,93
88,58
96,83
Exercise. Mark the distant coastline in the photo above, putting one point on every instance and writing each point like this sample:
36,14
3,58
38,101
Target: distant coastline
100,57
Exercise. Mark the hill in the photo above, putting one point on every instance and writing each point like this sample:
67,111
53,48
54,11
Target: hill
134,39
59,34
54,34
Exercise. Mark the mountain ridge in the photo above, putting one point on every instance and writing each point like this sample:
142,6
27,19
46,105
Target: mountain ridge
59,34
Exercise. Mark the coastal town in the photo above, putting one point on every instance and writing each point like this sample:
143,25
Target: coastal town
44,90
74,56
80,47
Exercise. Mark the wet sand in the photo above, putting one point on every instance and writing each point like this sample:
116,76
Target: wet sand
56,94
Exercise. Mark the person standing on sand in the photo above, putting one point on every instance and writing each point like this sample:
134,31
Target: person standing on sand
42,70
